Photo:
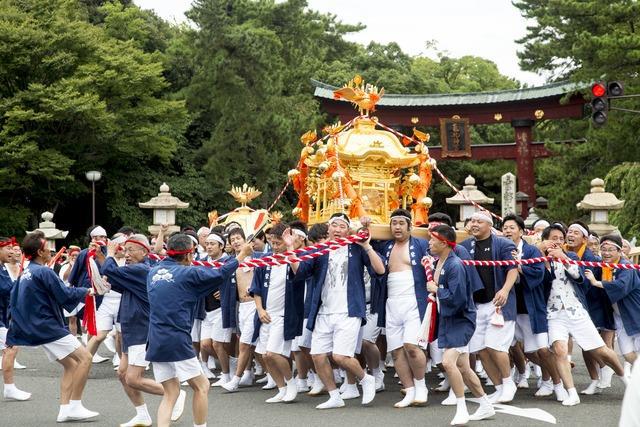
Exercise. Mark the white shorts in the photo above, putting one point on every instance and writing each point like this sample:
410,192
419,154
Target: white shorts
183,370
486,335
246,319
436,352
107,313
136,355
335,333
583,331
271,338
371,331
61,348
303,340
403,322
532,342
628,344
3,338
212,327
195,330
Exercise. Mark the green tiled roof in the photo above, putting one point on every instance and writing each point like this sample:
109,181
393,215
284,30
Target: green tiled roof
324,90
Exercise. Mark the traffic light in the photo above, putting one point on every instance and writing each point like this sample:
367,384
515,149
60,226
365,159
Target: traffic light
599,104
602,92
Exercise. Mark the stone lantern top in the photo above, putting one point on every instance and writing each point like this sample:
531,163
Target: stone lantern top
470,190
164,200
49,228
598,199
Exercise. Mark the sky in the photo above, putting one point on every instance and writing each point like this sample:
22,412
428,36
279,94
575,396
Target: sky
485,28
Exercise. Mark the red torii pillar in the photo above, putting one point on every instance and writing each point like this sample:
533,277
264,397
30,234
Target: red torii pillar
524,159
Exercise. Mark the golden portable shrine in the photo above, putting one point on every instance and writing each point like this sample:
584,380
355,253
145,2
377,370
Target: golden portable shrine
362,167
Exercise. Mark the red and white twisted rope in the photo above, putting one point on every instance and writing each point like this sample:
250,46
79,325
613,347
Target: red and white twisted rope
537,260
288,257
279,195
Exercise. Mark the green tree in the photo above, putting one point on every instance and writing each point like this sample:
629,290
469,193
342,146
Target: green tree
73,99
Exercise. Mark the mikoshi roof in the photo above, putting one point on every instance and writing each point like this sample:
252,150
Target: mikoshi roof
324,90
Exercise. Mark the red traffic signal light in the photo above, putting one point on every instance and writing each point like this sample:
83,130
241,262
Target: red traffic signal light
598,90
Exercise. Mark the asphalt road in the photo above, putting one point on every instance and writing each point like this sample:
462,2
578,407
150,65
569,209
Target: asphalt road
104,394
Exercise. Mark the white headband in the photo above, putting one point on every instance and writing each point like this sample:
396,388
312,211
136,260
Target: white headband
194,240
342,218
580,228
299,232
215,238
612,243
98,231
543,223
482,216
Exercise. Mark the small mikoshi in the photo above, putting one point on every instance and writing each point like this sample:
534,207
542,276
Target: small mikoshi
362,168
251,220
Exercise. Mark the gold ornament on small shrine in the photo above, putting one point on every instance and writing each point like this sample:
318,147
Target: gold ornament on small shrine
539,114
497,117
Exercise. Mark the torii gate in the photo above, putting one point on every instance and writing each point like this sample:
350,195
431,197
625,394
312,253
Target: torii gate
522,108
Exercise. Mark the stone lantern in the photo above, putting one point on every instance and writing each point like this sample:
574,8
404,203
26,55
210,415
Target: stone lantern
531,219
51,233
599,202
471,192
164,207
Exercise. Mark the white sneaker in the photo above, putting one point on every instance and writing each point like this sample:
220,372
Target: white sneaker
224,378
379,381
138,421
460,419
561,392
572,399
343,387
337,378
410,394
606,374
495,396
451,400
350,392
482,413
98,359
271,384
368,384
17,365
291,392
15,393
333,402
232,385
302,385
591,389
508,392
389,361
278,397
311,379
247,379
318,387
421,396
211,363
178,408
523,383
546,389
80,413
115,360
262,380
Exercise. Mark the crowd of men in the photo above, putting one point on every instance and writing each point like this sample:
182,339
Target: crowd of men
331,324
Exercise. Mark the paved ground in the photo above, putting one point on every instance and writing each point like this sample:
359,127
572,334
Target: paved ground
105,395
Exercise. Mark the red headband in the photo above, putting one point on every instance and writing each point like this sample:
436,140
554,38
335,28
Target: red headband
11,242
442,239
183,252
137,243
